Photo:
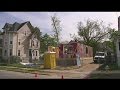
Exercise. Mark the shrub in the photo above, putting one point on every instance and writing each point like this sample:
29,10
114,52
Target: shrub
35,61
2,60
14,59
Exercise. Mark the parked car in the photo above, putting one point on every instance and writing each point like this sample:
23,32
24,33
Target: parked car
100,57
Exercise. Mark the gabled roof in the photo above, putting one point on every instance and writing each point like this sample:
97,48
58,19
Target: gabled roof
16,26
7,25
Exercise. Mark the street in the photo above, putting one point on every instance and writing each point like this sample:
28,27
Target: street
18,75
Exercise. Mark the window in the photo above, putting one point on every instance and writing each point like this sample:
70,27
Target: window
33,43
37,44
18,52
36,53
0,42
10,42
5,43
25,33
5,53
0,52
33,52
19,43
10,52
30,54
86,50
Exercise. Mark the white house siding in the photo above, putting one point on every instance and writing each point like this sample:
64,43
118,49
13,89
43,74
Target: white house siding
10,46
5,46
15,44
24,42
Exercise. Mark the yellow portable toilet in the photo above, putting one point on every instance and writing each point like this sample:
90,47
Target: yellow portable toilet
49,60
54,49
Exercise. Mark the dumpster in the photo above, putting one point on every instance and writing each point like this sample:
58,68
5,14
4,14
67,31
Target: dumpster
50,60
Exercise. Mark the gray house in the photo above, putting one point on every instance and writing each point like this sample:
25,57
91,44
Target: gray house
20,39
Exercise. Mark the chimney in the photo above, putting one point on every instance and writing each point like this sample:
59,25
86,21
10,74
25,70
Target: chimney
119,23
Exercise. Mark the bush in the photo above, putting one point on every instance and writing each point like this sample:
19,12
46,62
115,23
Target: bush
3,64
35,61
14,59
2,60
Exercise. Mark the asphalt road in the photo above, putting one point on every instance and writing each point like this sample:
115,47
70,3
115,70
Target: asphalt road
18,75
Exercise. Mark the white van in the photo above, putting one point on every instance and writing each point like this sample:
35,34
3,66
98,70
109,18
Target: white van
100,57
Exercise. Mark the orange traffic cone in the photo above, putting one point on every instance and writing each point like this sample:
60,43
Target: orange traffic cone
36,75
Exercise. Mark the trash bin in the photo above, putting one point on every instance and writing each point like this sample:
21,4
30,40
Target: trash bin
50,60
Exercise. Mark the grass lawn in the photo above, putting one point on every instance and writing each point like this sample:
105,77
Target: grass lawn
21,68
111,67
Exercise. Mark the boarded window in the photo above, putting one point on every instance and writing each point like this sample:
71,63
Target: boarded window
37,44
30,54
36,53
18,52
33,52
10,42
25,33
19,43
33,43
1,42
10,52
5,52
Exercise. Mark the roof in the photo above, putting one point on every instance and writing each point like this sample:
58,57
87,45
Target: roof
16,26
7,25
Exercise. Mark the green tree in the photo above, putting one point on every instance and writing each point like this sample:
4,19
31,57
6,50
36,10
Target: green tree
92,33
37,31
39,35
47,40
113,36
56,28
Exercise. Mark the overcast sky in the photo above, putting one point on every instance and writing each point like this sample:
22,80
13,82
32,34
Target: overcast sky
69,20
